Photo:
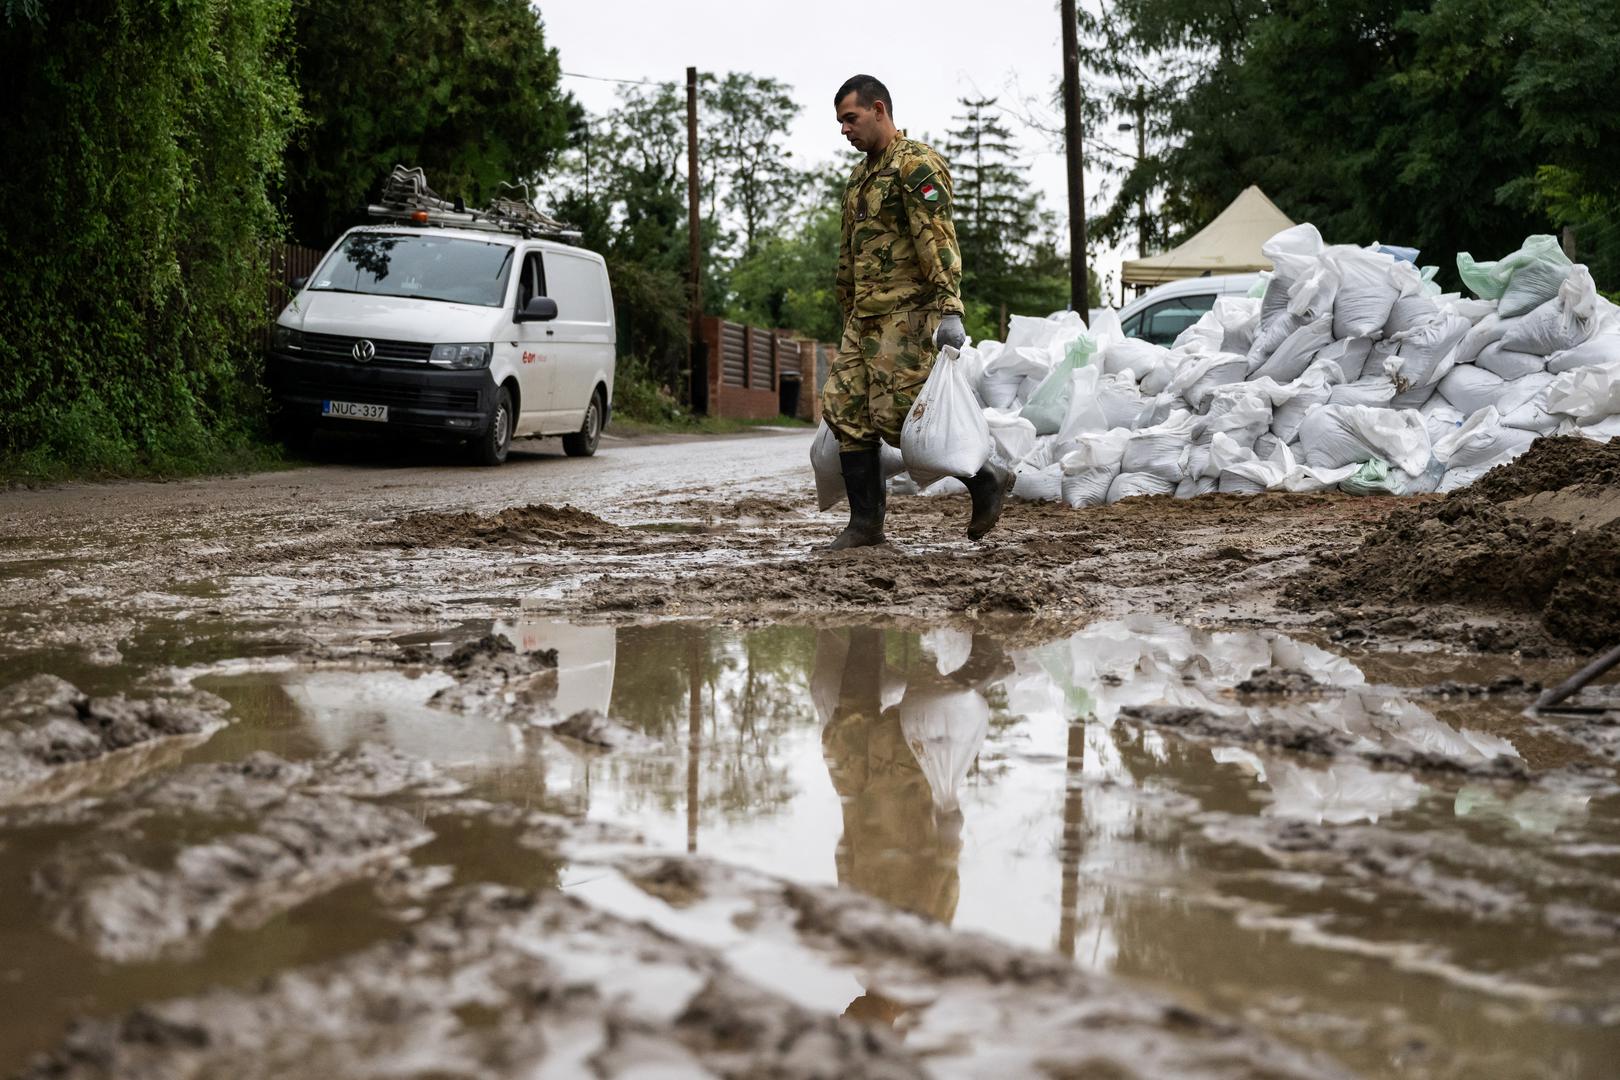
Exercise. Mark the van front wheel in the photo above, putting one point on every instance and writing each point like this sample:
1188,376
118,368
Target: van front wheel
490,448
582,443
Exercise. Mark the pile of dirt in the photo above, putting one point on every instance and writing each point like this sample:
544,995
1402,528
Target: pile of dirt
1539,536
521,525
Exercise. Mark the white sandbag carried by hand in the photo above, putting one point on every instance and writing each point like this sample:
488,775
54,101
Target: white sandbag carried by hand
1586,393
1369,284
1561,323
1507,363
1521,282
1334,436
945,433
1294,355
1128,485
1470,388
825,463
1038,485
1481,440
1013,436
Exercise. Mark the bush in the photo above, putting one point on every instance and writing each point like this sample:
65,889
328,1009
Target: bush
639,395
135,211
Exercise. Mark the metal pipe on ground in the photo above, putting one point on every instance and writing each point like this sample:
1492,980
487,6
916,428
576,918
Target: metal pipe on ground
1578,681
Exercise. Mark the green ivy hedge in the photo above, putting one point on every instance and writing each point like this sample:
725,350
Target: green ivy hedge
133,192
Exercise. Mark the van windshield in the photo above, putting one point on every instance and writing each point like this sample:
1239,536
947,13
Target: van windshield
421,266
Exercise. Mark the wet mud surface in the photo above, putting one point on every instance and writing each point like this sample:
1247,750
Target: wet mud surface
598,768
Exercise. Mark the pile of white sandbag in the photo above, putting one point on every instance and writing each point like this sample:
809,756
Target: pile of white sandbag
1351,369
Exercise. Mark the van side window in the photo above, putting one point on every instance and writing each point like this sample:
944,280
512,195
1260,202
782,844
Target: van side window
533,281
1164,321
576,285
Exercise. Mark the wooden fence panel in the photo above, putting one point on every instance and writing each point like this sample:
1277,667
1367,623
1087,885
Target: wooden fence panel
733,355
761,360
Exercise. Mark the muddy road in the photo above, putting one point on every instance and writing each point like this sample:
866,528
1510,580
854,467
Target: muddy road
596,768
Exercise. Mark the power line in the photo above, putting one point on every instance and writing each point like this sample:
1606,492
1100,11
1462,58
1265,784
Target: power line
627,82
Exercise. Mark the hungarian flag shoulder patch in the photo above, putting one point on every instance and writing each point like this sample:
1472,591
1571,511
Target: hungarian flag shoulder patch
929,191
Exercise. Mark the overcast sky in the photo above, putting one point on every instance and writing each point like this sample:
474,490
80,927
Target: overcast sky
929,54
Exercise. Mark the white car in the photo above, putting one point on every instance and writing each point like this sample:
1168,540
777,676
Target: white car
1164,311
475,333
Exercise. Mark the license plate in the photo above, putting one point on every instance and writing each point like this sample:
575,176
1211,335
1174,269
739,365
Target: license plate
349,410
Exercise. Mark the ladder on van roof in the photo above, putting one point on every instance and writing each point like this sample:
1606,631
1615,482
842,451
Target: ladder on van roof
407,197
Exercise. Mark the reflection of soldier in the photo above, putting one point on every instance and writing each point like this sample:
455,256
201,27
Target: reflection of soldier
899,291
896,770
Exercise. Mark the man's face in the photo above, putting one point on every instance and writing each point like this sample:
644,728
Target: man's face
861,124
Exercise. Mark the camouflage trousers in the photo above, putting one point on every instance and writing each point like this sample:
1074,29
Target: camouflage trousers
882,363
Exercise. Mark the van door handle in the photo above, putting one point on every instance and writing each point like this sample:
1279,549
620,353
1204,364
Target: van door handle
550,332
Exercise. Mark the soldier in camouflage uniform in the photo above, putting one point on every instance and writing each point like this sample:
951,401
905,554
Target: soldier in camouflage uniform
899,289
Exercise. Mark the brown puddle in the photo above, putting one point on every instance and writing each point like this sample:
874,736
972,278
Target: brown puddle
1412,881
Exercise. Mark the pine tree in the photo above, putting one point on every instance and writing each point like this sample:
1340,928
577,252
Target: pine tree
1008,258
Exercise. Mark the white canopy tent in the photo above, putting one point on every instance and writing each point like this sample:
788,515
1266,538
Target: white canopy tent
1228,245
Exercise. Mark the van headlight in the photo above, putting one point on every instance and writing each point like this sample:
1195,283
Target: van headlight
286,339
461,356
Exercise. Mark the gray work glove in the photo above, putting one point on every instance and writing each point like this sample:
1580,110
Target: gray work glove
950,333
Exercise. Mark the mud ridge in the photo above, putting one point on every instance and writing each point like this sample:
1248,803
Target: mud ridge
519,525
1539,537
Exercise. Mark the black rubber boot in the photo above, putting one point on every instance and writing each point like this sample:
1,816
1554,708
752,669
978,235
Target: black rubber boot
863,485
989,487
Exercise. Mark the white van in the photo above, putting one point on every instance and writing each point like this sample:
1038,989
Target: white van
1164,311
474,333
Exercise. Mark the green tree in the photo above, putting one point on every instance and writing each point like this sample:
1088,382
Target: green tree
467,89
135,217
1011,261
1445,124
788,279
746,120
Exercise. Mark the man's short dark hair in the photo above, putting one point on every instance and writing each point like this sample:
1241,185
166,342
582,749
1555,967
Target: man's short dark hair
866,90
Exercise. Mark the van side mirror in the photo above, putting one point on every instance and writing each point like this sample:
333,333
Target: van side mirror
297,284
538,309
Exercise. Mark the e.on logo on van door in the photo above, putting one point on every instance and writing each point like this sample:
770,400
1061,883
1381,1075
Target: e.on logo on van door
482,326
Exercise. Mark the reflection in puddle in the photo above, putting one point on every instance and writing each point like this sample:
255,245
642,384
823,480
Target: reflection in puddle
1340,866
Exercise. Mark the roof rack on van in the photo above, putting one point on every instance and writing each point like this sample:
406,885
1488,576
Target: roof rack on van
407,197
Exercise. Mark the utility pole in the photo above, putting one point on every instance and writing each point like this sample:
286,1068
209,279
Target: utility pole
1076,159
697,373
1141,155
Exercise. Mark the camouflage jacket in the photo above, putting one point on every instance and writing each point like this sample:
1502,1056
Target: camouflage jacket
898,251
